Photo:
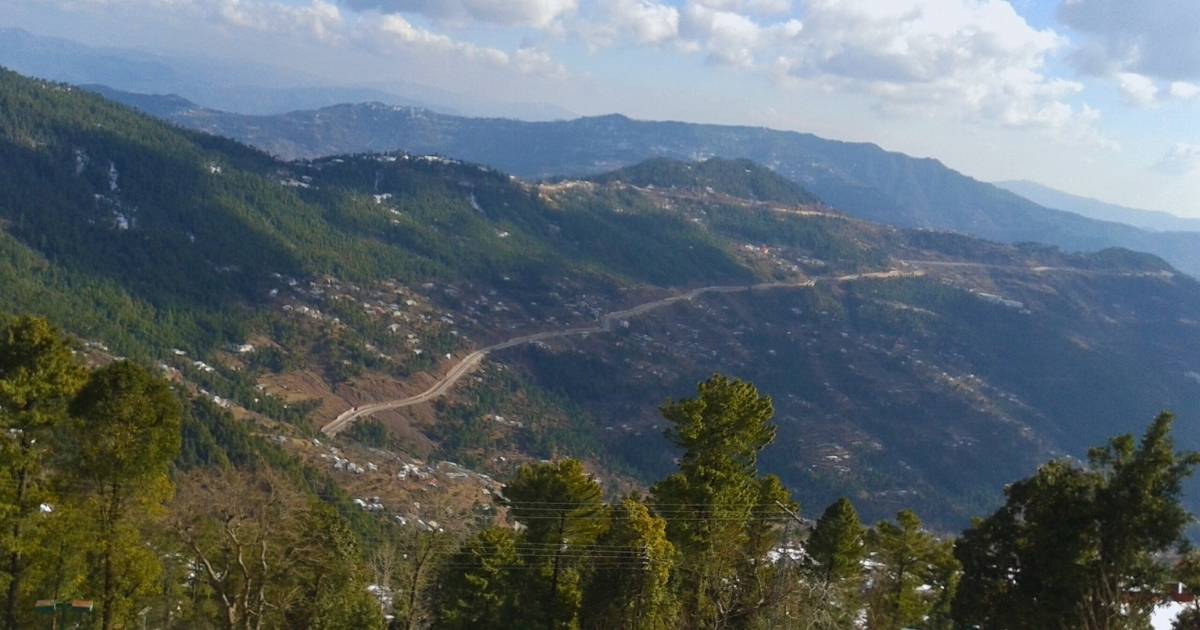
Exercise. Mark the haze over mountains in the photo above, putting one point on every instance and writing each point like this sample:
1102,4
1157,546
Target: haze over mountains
860,179
1145,219
234,86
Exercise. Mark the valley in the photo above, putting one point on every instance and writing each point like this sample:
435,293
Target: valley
322,292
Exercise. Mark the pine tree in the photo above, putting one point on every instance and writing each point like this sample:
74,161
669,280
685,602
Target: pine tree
721,516
627,583
325,576
914,578
38,377
475,587
836,546
562,512
1071,543
124,436
834,554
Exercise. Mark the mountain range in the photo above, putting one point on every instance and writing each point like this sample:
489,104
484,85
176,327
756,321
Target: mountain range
860,179
908,367
1145,219
234,86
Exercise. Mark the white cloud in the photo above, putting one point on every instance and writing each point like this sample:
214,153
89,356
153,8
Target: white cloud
320,18
1183,90
711,27
383,33
752,7
971,59
1150,49
967,59
731,38
528,13
1181,159
1154,38
394,31
1138,89
637,21
533,60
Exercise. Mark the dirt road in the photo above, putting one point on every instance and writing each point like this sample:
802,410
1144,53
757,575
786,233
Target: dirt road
606,323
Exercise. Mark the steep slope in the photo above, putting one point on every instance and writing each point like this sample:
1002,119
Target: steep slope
1095,209
860,179
907,367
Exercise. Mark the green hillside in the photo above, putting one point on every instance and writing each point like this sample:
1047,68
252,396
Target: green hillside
299,289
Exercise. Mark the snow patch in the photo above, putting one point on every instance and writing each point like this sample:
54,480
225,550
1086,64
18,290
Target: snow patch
1163,617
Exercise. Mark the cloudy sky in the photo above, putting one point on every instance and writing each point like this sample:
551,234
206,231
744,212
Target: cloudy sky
1095,97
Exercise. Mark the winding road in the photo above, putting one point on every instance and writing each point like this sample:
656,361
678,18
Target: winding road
605,324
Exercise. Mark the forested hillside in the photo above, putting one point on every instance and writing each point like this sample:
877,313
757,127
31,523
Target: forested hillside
532,332
112,522
860,179
297,290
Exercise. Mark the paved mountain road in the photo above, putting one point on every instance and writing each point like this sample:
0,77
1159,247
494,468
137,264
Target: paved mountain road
472,360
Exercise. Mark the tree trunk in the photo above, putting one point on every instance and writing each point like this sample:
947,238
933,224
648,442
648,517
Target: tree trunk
15,565
412,593
552,604
109,580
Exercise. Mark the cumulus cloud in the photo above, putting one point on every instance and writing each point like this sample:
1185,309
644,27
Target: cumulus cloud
976,59
1181,159
1138,89
972,59
1183,90
322,19
529,13
636,21
752,7
1155,39
383,33
392,33
1143,46
732,38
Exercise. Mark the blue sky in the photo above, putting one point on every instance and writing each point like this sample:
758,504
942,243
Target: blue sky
1095,97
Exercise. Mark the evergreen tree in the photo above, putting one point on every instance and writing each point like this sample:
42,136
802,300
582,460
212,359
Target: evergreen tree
562,512
475,586
627,583
721,516
836,546
834,553
1071,544
124,436
914,578
325,576
38,377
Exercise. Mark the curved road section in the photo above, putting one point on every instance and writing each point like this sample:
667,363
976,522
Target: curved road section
472,360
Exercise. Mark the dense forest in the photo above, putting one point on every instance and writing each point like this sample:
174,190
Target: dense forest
238,275
127,503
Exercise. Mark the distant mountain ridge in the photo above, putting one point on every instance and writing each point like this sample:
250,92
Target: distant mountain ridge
860,179
1096,209
246,88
